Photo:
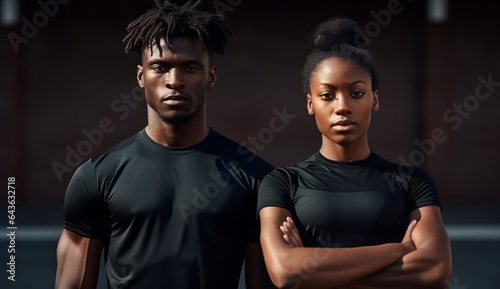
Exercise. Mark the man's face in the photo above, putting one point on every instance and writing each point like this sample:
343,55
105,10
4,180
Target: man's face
176,83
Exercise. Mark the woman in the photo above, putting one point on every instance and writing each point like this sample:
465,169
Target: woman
345,217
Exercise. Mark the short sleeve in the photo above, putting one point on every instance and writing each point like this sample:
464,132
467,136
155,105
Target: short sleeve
275,190
423,190
83,204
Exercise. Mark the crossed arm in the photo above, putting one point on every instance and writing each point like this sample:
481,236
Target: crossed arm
429,266
78,260
298,267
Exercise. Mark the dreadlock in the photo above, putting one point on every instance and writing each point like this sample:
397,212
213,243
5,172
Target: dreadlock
169,20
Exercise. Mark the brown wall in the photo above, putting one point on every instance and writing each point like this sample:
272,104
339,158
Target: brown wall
72,73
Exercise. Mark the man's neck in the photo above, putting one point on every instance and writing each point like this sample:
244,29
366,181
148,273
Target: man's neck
179,135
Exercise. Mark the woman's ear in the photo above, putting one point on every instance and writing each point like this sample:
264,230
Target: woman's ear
375,104
310,107
140,76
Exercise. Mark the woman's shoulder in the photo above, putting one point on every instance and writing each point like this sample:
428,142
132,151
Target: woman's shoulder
404,173
290,172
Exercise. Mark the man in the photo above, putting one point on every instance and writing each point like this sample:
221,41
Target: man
174,205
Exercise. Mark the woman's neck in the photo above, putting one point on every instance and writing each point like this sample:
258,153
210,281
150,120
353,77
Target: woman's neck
345,152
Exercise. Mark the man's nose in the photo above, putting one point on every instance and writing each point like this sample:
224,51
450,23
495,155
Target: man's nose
174,79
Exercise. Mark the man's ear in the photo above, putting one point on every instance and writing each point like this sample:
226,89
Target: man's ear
375,104
310,107
212,76
140,76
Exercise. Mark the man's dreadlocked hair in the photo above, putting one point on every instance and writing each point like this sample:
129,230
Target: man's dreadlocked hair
169,20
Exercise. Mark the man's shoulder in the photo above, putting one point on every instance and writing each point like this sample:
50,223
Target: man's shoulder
116,151
231,150
228,146
216,136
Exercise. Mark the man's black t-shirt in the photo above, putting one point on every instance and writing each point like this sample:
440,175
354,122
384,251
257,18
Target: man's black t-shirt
169,217
348,204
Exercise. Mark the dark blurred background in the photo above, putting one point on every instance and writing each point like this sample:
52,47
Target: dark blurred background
68,92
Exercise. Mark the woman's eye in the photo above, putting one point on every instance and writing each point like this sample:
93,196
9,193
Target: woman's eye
358,94
326,95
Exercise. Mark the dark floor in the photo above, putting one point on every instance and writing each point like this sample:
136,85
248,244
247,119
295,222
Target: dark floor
474,233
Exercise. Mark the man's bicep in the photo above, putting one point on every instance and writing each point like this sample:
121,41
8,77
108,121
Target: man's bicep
78,260
84,208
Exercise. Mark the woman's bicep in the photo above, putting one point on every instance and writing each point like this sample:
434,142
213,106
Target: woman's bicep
431,239
430,231
271,218
274,247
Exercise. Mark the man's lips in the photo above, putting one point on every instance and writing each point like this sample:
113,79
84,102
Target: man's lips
175,99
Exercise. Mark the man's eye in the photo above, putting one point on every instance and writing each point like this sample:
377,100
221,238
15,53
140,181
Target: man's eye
159,68
192,68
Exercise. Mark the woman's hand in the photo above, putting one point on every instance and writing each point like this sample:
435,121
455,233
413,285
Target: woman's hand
291,233
407,241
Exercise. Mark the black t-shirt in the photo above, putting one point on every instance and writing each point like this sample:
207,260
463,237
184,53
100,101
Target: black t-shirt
348,204
169,217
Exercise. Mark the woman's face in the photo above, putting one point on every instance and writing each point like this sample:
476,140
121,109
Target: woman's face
342,100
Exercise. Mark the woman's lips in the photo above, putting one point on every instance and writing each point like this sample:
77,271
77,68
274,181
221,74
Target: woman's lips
344,125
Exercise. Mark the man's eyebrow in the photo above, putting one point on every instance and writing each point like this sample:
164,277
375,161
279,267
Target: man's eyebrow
178,61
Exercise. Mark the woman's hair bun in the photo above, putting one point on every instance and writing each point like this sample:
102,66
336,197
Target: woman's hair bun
335,31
